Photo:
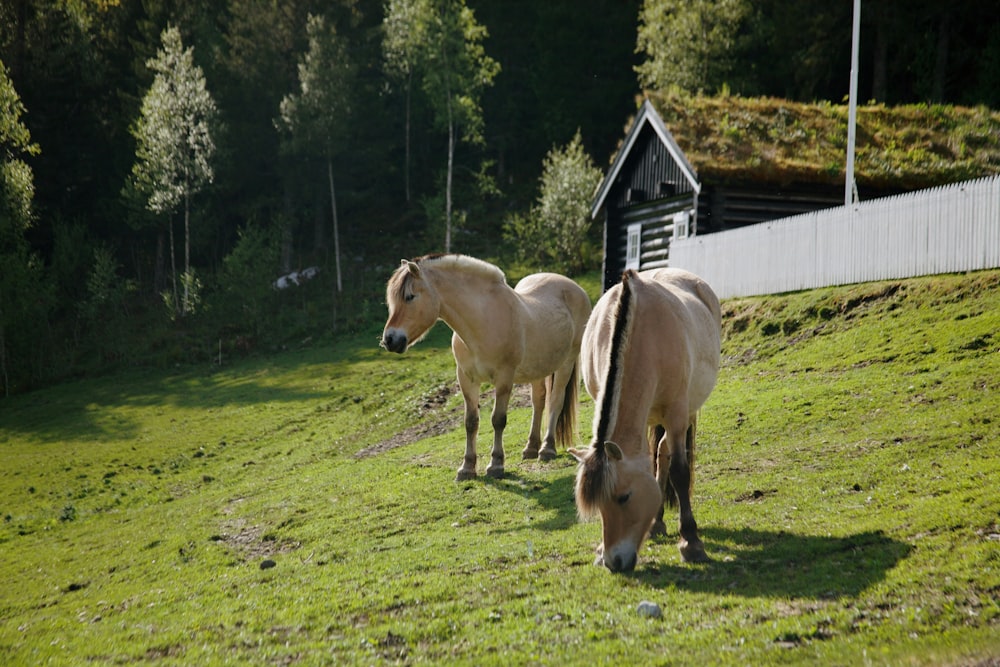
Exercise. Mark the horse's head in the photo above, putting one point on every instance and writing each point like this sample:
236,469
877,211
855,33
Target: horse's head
625,494
413,307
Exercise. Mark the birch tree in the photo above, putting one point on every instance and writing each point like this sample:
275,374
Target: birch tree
175,148
442,42
316,118
401,46
694,45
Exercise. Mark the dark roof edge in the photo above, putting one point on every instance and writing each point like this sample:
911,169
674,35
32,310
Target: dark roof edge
647,114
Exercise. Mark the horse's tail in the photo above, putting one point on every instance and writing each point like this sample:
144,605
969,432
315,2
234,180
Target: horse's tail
669,493
566,424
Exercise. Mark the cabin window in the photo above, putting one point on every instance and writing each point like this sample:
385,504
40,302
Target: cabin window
632,246
681,221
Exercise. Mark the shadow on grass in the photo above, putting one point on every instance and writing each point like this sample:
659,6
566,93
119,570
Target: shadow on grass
756,563
551,496
79,410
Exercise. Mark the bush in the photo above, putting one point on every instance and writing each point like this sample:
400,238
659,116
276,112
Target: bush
557,226
244,302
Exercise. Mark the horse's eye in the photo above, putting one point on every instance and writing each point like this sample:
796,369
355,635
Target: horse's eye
409,297
623,498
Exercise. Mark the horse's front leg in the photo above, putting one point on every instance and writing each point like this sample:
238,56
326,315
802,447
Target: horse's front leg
691,547
502,398
470,392
659,445
537,406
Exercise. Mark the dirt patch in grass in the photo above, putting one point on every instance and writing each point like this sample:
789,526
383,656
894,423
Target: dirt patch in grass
441,422
250,541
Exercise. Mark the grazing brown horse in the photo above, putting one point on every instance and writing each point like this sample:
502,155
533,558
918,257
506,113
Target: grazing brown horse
501,335
650,358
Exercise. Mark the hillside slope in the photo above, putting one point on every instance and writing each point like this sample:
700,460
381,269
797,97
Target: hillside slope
301,509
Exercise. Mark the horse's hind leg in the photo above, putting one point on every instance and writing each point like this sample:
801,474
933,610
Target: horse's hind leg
502,398
470,392
556,397
681,464
530,450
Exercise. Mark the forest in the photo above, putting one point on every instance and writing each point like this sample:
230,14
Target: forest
340,136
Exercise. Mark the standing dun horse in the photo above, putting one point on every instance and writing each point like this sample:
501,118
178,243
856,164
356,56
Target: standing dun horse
650,358
530,334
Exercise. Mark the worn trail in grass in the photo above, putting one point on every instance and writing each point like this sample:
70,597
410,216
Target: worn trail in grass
300,509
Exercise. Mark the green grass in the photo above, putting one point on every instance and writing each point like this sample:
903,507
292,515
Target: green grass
846,490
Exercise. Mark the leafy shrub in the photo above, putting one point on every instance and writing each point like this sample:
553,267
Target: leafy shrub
557,226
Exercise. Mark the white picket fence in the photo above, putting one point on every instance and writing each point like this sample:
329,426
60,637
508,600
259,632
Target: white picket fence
947,229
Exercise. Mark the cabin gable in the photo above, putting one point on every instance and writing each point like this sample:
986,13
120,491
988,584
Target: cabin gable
650,189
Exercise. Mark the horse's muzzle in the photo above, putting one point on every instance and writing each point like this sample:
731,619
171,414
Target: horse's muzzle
618,560
622,564
394,341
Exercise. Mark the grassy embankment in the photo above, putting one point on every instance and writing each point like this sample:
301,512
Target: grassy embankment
847,489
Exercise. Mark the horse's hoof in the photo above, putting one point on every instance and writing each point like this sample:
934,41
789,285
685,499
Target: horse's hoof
693,552
529,454
547,454
464,475
496,472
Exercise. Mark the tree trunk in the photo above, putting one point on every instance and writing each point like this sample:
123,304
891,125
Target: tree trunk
880,57
880,62
451,151
173,264
319,225
3,358
406,166
185,304
336,231
159,270
447,189
287,240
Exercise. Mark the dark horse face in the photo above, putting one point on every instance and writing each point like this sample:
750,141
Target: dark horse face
626,496
413,308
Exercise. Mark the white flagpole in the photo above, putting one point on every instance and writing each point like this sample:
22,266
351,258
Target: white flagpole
852,113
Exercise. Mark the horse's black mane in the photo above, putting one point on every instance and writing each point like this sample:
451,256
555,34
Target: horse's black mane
595,480
623,312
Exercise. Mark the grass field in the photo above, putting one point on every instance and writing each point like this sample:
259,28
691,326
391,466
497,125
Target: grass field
300,509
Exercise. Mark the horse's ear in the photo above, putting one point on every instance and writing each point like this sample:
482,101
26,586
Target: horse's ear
577,454
412,267
613,450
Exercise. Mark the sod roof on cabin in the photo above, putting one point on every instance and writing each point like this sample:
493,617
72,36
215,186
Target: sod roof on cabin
739,139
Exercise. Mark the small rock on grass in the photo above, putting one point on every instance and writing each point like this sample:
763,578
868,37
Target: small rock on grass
649,609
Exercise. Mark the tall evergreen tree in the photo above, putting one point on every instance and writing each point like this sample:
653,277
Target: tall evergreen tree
175,146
